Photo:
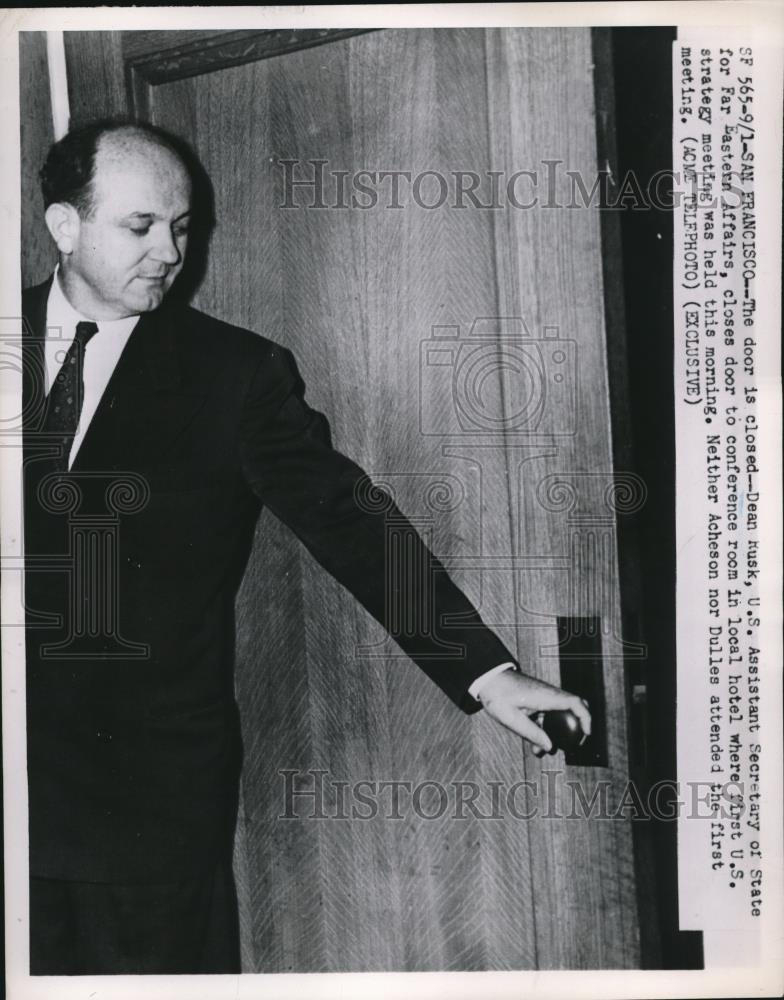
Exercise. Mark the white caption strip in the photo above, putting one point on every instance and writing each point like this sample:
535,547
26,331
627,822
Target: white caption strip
722,124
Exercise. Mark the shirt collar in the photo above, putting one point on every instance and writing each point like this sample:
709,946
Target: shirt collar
61,315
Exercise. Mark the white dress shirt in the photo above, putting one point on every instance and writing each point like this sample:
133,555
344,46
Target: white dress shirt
100,359
476,688
101,354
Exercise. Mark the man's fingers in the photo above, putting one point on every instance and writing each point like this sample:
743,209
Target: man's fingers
547,698
529,730
580,709
519,722
561,701
511,697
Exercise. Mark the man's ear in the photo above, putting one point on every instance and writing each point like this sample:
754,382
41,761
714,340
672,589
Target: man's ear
62,221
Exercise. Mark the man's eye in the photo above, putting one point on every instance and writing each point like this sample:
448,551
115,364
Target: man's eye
140,232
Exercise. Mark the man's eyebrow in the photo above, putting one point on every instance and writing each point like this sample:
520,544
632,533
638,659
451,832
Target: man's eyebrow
155,216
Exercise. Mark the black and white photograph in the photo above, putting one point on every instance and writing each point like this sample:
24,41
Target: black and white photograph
391,426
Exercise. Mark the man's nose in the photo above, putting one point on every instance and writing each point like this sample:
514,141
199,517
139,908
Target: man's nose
165,249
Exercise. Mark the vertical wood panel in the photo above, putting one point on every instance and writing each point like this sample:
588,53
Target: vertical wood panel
35,112
96,79
550,267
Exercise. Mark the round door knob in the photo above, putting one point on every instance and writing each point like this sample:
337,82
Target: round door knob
564,729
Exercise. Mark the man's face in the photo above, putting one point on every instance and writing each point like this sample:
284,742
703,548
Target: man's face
127,253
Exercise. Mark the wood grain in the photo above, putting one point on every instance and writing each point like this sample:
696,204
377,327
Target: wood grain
96,75
550,265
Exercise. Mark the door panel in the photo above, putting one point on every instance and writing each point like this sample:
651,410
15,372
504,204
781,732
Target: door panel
550,272
521,510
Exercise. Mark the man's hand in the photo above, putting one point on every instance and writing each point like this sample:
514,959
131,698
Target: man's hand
512,697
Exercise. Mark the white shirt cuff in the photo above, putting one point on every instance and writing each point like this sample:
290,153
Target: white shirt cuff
475,688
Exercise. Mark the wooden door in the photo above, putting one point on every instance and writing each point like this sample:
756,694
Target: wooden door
379,305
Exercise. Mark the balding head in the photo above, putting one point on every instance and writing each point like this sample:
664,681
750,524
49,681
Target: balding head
121,227
68,174
133,144
131,156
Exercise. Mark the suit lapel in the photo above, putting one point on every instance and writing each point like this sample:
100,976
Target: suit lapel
147,403
34,371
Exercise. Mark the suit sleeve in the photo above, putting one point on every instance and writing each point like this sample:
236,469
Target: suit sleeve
358,534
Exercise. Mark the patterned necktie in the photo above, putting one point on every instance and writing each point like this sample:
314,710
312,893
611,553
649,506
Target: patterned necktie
64,405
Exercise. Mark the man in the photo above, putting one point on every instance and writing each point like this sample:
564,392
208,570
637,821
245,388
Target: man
154,435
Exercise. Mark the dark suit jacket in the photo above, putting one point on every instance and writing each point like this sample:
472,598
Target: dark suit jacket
133,756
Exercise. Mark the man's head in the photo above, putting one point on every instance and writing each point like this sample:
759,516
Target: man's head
118,200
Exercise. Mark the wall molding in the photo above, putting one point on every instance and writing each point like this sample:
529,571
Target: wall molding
209,53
